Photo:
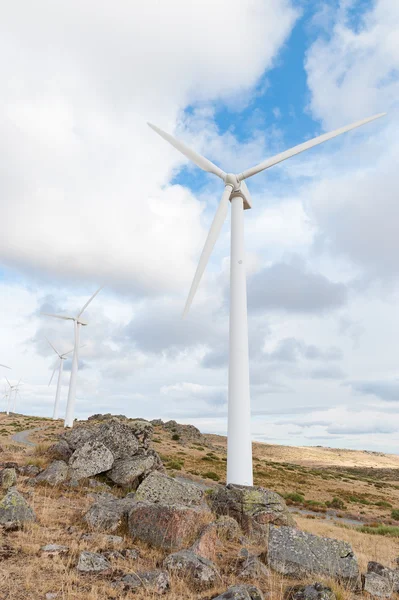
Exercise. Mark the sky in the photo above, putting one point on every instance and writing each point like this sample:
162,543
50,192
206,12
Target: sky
91,196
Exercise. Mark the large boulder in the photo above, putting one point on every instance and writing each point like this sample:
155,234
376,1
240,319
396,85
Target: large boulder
198,572
299,554
211,537
14,510
8,478
55,473
241,592
252,568
108,513
166,526
90,459
315,591
130,472
380,581
254,508
154,581
61,450
118,437
143,430
77,436
160,488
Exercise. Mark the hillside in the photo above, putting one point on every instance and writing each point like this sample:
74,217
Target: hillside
334,493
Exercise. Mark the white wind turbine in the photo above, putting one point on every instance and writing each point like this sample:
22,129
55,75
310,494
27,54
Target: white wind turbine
239,446
60,366
13,389
77,323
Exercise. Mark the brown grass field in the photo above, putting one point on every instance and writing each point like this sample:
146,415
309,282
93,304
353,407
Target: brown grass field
364,485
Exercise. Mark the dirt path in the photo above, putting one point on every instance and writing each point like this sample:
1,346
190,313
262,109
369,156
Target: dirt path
22,436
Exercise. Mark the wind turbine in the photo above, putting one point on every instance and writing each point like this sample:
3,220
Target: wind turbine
77,323
13,389
61,357
239,445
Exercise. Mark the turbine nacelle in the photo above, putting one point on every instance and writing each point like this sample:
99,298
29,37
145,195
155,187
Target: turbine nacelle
239,188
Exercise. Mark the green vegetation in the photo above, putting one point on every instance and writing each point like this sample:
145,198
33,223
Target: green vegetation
389,530
395,514
175,437
336,503
295,497
383,504
174,464
211,475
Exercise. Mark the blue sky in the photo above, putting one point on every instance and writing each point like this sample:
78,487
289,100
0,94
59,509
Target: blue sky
90,196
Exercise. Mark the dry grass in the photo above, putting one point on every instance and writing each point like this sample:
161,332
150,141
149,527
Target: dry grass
29,574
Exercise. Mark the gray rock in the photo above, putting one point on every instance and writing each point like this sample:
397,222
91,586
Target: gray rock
54,549
118,437
55,473
241,592
108,513
130,472
30,471
199,573
316,591
51,595
14,510
92,562
94,483
113,540
166,526
252,507
253,568
90,459
131,553
77,436
380,581
8,478
143,430
60,451
160,488
297,554
155,581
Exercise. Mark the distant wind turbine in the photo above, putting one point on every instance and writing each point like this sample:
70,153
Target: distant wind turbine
12,393
61,357
77,323
239,446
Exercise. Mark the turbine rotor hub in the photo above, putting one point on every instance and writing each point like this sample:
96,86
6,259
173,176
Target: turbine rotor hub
232,180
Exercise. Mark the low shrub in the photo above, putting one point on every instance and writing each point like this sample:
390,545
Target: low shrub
336,503
211,475
175,437
395,514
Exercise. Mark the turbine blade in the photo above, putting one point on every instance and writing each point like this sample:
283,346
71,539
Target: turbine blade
51,379
8,382
56,351
89,300
5,366
213,235
69,352
270,162
58,316
201,162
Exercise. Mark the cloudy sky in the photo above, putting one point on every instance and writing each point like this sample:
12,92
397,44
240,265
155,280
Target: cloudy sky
90,196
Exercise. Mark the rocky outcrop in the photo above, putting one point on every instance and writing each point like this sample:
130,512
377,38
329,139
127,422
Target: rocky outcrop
55,473
130,472
254,508
252,567
92,562
154,581
241,592
198,572
14,510
167,526
90,459
160,488
316,591
380,581
60,451
299,554
213,535
8,478
108,513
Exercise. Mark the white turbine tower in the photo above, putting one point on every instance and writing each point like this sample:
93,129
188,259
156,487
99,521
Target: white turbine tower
61,357
12,393
77,323
239,446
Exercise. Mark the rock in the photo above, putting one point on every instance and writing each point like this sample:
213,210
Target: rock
253,568
14,510
252,507
143,430
60,451
199,572
113,555
160,488
380,581
156,422
90,459
118,437
155,581
113,540
94,483
316,591
8,478
54,549
228,529
131,553
51,595
165,526
30,471
108,513
55,473
241,592
187,433
210,539
130,472
92,562
76,437
297,554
